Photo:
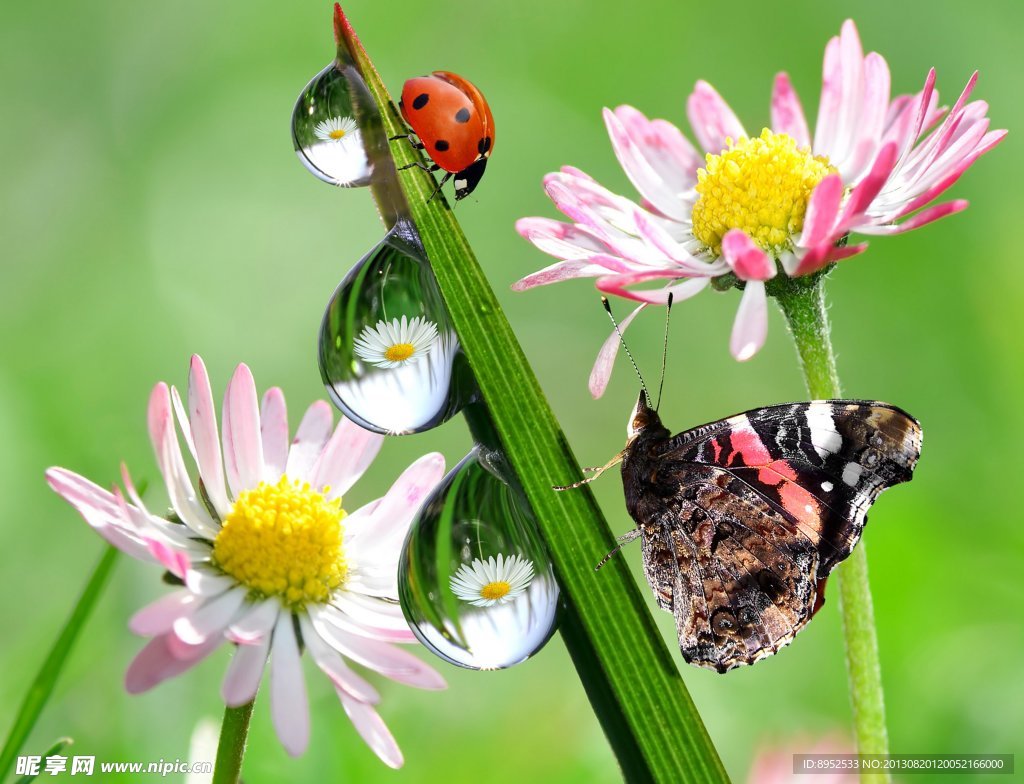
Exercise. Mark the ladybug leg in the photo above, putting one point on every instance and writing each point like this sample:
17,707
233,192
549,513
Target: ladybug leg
437,190
416,144
432,168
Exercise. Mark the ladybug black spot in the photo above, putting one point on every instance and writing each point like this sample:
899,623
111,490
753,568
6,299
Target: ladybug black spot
441,145
484,145
462,115
420,101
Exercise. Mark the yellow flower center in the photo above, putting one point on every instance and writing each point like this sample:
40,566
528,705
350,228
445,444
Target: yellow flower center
759,185
495,590
399,352
337,133
284,540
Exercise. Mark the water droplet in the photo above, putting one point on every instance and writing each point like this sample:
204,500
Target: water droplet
326,123
475,581
388,352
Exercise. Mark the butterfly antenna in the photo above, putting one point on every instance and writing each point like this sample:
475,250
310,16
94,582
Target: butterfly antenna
622,340
664,351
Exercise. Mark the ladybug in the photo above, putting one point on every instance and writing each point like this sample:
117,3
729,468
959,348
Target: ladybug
454,125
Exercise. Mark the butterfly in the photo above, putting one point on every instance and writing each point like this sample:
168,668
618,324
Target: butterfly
742,520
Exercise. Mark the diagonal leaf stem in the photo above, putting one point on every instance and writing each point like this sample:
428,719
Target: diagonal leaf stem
42,687
629,674
803,303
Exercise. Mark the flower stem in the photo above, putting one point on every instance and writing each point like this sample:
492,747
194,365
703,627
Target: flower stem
234,731
803,304
41,688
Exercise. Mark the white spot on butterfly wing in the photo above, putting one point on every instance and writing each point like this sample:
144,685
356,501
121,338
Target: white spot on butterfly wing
851,473
824,437
827,486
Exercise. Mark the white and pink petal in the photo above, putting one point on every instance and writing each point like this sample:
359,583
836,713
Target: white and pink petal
289,705
243,441
714,123
649,181
182,494
159,616
244,673
203,421
164,657
751,325
746,258
345,458
309,441
275,435
211,617
788,113
371,728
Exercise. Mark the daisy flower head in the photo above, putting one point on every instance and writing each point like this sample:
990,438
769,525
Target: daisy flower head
398,342
265,556
336,153
753,206
335,129
495,581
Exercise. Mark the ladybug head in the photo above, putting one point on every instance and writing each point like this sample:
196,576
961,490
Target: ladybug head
467,179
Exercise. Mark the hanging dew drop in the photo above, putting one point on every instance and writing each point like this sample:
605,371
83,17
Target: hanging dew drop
475,581
327,124
389,356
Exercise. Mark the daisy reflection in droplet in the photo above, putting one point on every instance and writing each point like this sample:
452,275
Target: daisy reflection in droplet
494,581
396,343
335,129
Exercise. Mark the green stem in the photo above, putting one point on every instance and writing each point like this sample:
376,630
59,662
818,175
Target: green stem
41,688
803,304
631,677
234,731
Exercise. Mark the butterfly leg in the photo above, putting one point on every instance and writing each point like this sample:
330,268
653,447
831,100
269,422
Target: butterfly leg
596,471
626,538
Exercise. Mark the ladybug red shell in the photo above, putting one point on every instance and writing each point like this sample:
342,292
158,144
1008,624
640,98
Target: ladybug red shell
454,125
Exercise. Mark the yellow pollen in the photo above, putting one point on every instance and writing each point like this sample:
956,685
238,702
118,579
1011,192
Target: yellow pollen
399,352
495,590
284,540
337,133
759,185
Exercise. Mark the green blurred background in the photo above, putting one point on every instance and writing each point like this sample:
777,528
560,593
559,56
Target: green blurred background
152,207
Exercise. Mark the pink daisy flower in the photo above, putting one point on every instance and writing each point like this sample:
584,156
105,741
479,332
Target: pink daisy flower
778,202
266,557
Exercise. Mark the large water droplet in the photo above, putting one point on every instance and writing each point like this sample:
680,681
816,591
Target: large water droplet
389,356
475,580
326,123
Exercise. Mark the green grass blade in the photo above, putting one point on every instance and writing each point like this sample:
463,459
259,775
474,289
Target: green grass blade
629,674
55,748
41,688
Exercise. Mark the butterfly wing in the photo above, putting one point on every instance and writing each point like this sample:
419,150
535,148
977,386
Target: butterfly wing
742,519
738,578
821,464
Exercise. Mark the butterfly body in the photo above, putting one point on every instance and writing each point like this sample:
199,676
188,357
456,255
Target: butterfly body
741,520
